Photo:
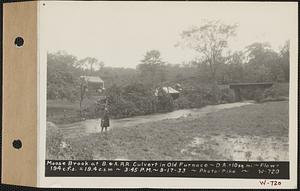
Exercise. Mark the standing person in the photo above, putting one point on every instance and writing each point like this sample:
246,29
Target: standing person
105,120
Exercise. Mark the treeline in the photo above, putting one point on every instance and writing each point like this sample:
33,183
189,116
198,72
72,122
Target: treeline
203,80
131,91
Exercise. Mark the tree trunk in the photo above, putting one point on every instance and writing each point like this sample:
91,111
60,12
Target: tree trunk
81,99
215,88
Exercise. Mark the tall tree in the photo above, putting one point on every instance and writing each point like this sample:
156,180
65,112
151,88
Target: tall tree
285,60
263,63
89,63
152,68
233,69
61,76
209,40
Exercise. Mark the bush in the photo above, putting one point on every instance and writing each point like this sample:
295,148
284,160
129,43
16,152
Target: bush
197,97
278,92
145,104
124,108
165,103
182,102
135,99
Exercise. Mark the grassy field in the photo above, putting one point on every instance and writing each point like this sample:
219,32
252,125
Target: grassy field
252,132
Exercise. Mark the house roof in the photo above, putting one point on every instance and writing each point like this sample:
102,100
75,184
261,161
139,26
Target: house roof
93,79
167,89
170,90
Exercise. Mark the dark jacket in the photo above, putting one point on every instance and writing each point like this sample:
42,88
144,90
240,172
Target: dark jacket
105,120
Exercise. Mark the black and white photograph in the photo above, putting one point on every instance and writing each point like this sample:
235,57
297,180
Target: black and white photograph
168,81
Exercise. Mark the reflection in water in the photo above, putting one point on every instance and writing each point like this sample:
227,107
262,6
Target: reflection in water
238,148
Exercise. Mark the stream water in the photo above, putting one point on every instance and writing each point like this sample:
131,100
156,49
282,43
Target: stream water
93,125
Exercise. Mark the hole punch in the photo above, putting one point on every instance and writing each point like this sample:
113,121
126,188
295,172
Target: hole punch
19,42
17,144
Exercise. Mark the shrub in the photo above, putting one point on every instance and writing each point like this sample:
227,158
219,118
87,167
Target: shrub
182,102
278,92
165,102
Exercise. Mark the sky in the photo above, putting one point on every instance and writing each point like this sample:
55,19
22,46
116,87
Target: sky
120,33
